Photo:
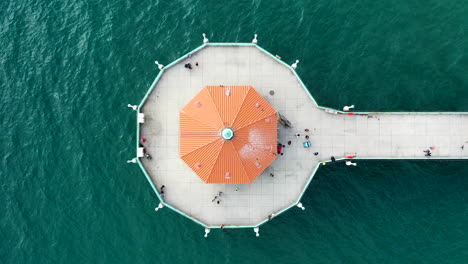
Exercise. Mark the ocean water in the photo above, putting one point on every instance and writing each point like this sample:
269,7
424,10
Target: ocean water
69,68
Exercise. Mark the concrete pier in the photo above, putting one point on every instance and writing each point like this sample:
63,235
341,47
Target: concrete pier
392,135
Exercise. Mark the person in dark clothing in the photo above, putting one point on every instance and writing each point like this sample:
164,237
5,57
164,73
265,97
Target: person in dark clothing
333,159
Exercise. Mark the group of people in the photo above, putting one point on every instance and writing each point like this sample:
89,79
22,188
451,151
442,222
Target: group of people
280,146
217,198
147,155
189,65
428,151
299,135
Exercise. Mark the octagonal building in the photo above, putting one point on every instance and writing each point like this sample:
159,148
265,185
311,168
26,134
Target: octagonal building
239,87
228,134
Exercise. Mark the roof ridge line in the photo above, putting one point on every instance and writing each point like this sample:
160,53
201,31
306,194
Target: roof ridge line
217,109
243,102
258,120
191,116
216,161
243,165
198,147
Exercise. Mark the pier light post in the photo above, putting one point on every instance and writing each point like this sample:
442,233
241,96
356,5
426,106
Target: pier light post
205,40
134,160
256,230
134,107
301,206
207,231
347,108
160,66
294,65
160,205
254,41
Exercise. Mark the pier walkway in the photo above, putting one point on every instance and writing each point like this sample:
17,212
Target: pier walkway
363,135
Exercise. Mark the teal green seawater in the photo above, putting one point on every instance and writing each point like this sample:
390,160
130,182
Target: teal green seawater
69,68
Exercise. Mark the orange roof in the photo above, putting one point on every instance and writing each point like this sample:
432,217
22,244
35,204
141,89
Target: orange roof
228,134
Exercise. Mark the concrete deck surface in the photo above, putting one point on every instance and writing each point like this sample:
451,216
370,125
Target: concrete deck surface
377,135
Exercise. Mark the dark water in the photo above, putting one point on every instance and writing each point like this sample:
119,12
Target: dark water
69,68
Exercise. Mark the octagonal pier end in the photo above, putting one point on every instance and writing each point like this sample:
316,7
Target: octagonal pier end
257,173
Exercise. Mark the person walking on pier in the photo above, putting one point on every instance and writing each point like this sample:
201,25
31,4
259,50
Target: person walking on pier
279,148
217,196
